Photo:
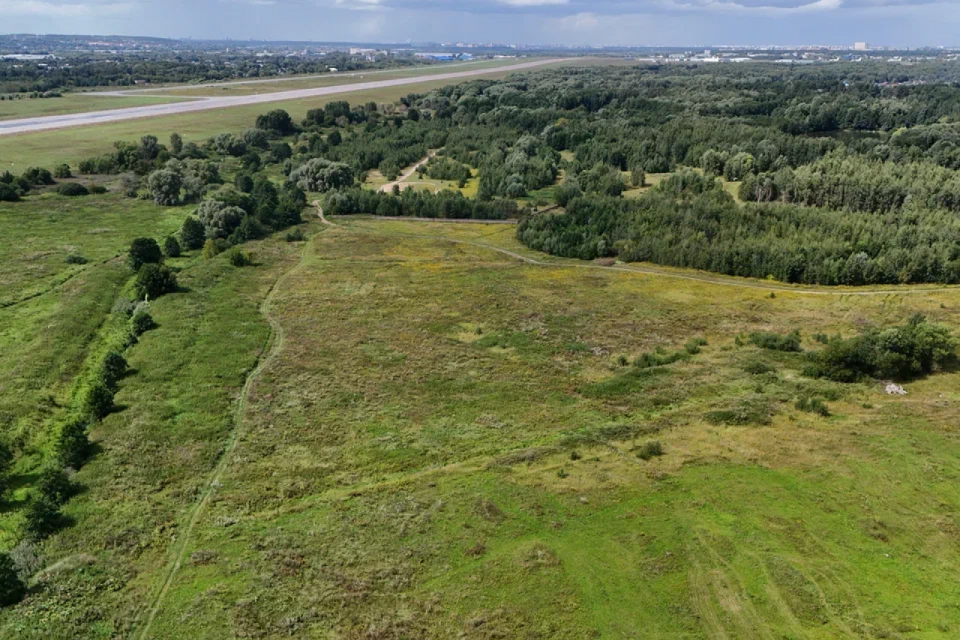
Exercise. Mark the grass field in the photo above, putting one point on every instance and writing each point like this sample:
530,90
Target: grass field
442,442
75,103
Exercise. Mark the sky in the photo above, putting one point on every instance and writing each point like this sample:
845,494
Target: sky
907,23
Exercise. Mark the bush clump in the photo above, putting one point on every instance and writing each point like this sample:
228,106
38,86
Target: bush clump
911,350
72,189
73,444
776,342
239,258
813,405
74,258
143,251
171,247
12,588
650,450
153,281
140,322
751,410
295,236
41,518
54,485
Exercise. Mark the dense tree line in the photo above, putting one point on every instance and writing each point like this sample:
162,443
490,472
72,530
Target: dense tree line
698,225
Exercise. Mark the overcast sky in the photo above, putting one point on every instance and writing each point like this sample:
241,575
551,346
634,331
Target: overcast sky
612,22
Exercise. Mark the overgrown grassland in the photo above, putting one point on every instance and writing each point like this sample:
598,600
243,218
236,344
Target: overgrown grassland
448,444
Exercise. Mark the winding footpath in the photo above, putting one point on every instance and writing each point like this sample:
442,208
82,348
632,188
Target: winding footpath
270,351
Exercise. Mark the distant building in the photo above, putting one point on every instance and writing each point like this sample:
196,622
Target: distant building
860,46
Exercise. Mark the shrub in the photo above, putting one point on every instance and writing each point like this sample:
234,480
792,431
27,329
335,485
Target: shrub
41,518
54,485
171,247
73,258
911,350
97,189
649,450
62,172
98,400
143,251
153,281
295,236
775,341
8,193
113,368
693,347
210,249
192,234
239,258
36,176
72,189
751,410
165,186
813,405
758,367
141,322
12,588
6,459
72,446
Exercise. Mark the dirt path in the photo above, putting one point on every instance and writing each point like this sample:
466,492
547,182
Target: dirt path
726,281
45,123
270,351
406,175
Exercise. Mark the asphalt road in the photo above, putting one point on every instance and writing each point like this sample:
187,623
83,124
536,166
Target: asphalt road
45,123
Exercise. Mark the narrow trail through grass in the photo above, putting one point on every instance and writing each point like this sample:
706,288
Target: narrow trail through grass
653,271
270,351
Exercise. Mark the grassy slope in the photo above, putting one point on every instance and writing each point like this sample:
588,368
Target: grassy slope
49,148
398,478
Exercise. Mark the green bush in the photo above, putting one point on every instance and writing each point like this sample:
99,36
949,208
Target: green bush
153,281
72,446
914,349
54,485
171,247
12,588
295,236
97,189
758,367
113,368
775,341
141,322
143,251
239,258
41,518
76,259
650,450
62,172
72,189
192,234
751,410
98,400
813,405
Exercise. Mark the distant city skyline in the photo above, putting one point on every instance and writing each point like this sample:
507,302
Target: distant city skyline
896,23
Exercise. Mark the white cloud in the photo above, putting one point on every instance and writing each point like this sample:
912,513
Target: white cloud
727,6
579,22
45,9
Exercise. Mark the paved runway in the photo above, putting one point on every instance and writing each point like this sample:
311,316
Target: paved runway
45,123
